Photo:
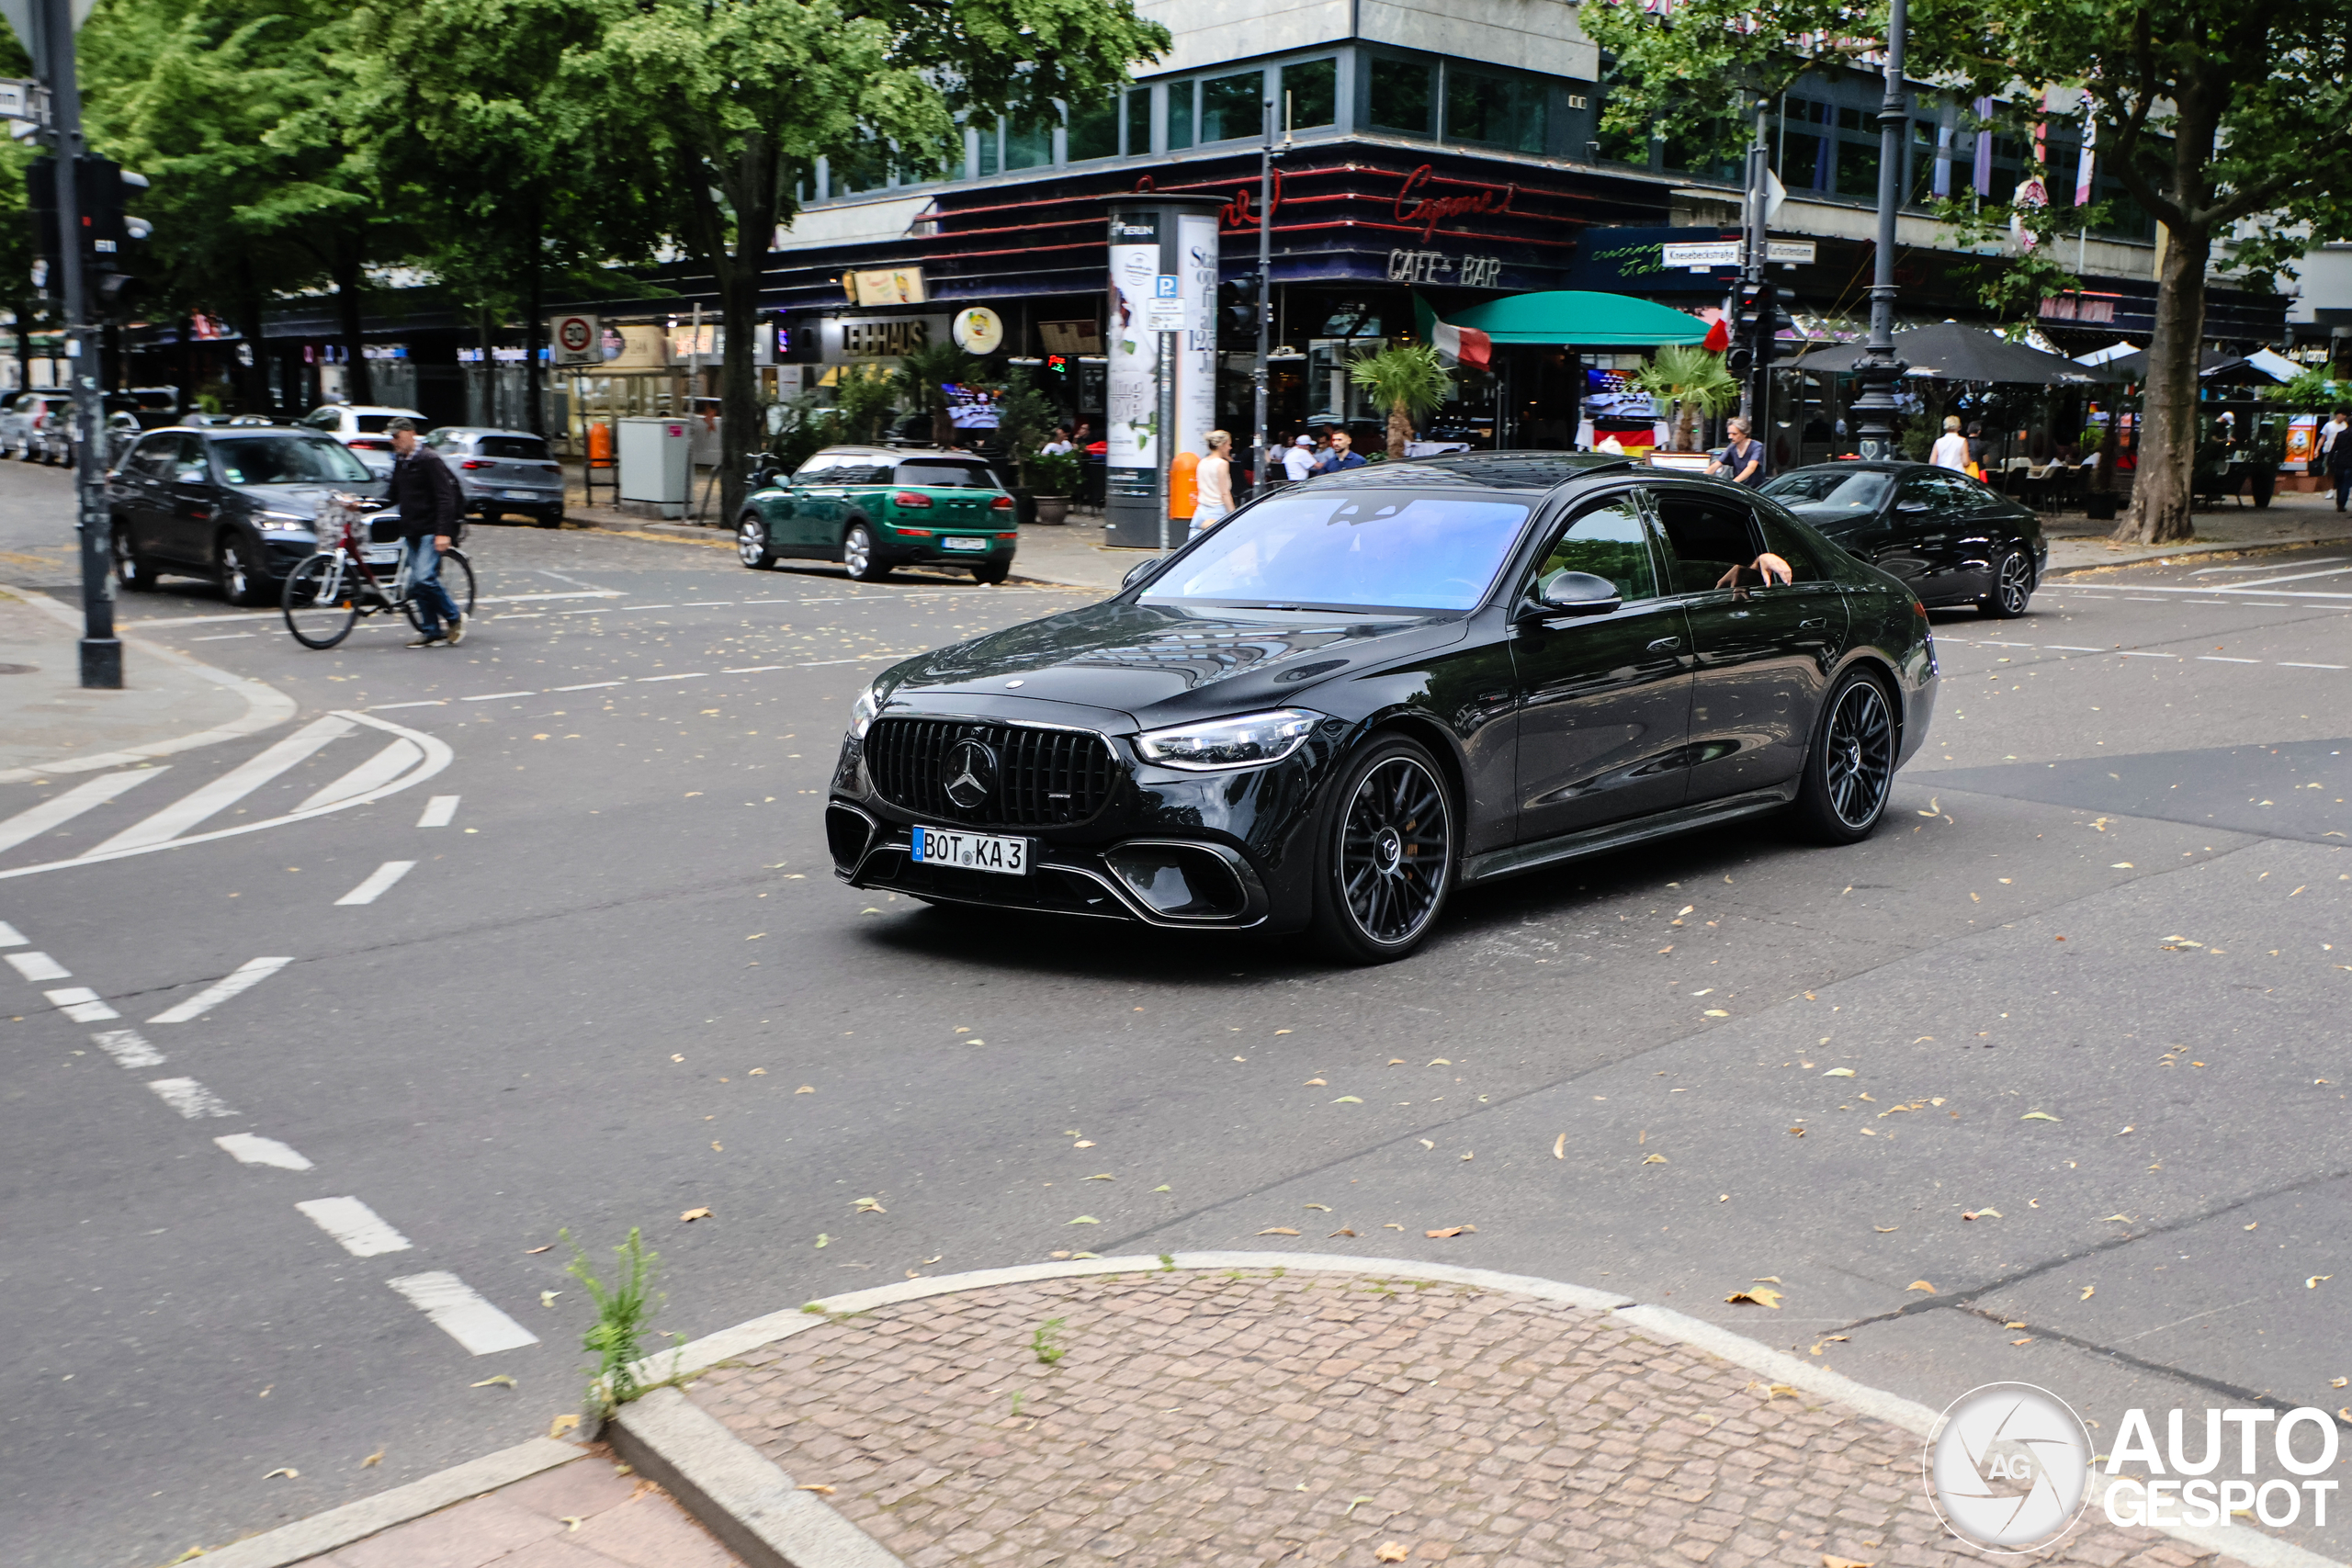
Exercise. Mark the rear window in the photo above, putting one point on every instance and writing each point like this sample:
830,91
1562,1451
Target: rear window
525,446
377,423
946,472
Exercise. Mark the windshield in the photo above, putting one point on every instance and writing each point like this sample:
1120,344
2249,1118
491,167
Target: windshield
287,460
945,472
513,446
1823,493
1376,549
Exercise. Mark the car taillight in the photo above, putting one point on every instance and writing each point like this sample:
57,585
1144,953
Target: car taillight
1918,609
476,463
916,533
373,446
1008,535
910,500
1001,504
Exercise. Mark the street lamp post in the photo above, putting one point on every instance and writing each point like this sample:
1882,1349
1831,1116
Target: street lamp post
1260,371
1878,369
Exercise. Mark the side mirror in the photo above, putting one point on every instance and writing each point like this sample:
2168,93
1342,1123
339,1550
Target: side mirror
1575,593
1911,506
1141,570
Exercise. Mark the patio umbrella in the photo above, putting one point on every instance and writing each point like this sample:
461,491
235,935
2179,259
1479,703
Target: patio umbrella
1948,351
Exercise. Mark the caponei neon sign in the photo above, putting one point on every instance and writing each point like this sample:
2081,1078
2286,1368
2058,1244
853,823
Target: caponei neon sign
1426,212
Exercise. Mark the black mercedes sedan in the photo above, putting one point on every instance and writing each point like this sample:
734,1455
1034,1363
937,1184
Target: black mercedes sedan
1364,691
1954,541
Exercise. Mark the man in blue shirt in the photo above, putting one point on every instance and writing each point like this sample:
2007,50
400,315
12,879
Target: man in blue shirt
1342,455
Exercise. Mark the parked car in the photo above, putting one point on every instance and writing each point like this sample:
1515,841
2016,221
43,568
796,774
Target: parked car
502,471
39,425
1951,539
364,430
152,407
233,504
1375,686
873,508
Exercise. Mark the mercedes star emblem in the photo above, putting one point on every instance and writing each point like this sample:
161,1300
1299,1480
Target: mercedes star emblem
971,773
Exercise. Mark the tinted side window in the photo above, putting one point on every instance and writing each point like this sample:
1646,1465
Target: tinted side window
945,472
1781,537
153,457
1707,539
817,471
864,471
1608,541
1928,487
1969,496
529,446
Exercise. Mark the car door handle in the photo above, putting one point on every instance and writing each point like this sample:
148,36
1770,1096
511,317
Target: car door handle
1814,624
1664,643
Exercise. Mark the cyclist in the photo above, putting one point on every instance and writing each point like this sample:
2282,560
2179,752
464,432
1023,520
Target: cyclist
426,492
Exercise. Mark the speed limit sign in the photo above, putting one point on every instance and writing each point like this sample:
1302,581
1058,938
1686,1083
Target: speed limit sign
576,339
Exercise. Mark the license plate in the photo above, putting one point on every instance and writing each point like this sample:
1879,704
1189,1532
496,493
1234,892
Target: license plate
381,555
525,495
962,542
971,851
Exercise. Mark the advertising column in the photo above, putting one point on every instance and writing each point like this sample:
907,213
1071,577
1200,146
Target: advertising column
1153,237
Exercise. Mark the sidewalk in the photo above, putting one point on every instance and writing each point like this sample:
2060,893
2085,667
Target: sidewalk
2077,544
1254,1408
51,725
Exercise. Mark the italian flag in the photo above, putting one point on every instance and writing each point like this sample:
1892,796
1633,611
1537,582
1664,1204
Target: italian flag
1456,345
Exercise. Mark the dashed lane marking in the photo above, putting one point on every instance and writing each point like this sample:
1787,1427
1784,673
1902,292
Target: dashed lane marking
689,675
57,810
439,811
10,936
128,1047
244,977
251,1149
494,696
230,787
275,615
191,1099
378,882
460,1311
647,680
81,1004
359,1228
39,966
2224,658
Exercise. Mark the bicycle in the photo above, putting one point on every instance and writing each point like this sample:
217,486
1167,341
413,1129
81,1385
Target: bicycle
326,595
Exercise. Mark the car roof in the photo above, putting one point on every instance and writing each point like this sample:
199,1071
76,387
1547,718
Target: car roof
369,408
1536,470
245,432
897,452
481,430
1853,465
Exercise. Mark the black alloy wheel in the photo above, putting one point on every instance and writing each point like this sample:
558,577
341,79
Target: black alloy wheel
1388,856
135,573
551,519
1851,772
238,571
2012,587
857,554
993,573
752,543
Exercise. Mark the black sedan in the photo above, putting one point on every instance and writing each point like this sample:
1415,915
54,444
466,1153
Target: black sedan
1366,690
1951,539
231,503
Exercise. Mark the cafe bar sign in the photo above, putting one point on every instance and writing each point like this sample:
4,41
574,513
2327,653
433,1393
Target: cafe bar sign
866,340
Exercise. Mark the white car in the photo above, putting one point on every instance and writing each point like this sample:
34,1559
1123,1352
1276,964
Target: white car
364,428
39,425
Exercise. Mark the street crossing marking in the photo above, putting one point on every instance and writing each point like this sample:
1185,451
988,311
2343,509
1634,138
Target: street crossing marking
39,966
352,1223
61,809
81,1004
460,1311
244,977
439,811
494,696
10,936
128,1047
378,880
645,680
373,773
191,1099
251,1149
230,787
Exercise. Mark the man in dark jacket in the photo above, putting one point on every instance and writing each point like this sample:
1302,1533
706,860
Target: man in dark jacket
426,492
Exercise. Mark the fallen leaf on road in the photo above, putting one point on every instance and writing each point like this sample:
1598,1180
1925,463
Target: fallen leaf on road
2124,1218
546,1298
2335,1382
1391,1551
1920,1285
817,1487
1394,1062
1086,1219
1715,1012
1655,1160
529,1251
1392,1226
2026,1340
1829,1562
1796,1131
377,1457
717,1147
1349,1099
757,1073
1316,1083
1766,1280
1441,1062
1427,1144
806,1088
1983,1215
1341,1232
1560,1146
562,1424
1838,1073
929,1261
1163,1187
2088,1291
691,1215
2312,1283
497,1379
287,1470
1278,1230
914,1273
1325,1207
1083,1144
1755,1298
676,1057
1106,1176
573,1521
2037,1116
1779,1388
1451,1230
869,1206
1884,1230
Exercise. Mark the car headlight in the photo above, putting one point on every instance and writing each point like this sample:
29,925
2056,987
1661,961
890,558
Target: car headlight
279,522
863,711
1245,743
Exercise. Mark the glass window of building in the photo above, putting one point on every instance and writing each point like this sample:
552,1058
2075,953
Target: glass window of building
1310,94
989,159
1500,111
1857,168
1095,130
1180,114
1138,121
1230,106
1029,146
1800,143
1923,163
1402,96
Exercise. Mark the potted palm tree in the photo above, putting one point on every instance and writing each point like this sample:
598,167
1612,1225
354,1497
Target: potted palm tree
1407,382
1694,382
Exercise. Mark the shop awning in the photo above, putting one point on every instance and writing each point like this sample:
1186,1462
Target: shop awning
1949,352
1567,318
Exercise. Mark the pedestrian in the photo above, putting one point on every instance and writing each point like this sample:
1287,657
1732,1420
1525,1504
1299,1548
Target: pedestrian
2339,461
1342,456
426,494
1299,458
1213,481
1058,444
1744,458
1977,449
1952,447
2329,433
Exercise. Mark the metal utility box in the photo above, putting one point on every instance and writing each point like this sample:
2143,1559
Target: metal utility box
657,462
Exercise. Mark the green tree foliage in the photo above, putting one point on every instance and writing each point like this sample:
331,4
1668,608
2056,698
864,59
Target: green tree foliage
867,395
1405,382
1694,381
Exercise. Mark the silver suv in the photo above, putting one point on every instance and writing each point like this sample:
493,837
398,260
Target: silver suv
39,425
502,471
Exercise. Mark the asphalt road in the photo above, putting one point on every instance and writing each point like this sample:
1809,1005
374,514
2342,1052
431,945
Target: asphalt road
2089,981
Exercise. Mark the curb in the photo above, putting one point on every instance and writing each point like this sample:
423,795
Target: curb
2158,555
266,706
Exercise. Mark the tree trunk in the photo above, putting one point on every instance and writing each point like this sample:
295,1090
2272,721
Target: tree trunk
256,396
1400,430
754,202
2166,448
942,418
1685,422
358,386
535,331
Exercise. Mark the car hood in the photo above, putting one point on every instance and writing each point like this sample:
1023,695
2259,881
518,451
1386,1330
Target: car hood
1162,664
303,499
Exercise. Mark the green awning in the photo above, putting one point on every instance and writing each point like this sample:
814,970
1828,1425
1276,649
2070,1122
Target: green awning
1578,318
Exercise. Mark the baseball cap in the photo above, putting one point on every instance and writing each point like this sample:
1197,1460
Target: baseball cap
1304,441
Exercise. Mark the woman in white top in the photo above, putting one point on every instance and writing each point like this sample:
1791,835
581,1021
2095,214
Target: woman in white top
1215,482
1952,447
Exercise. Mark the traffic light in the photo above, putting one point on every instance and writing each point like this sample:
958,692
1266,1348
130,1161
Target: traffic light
1755,328
1237,307
108,232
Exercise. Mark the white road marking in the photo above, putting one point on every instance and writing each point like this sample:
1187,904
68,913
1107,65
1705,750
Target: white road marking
39,966
752,670
373,773
427,703
128,1047
2069,647
244,977
81,1004
2135,653
2224,658
461,1312
439,811
2298,664
10,936
251,1149
587,686
379,880
222,637
525,616
497,696
230,787
274,614
362,1232
57,810
191,1099
689,675
649,606
2147,588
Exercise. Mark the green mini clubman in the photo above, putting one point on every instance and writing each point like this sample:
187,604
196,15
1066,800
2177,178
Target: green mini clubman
873,508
